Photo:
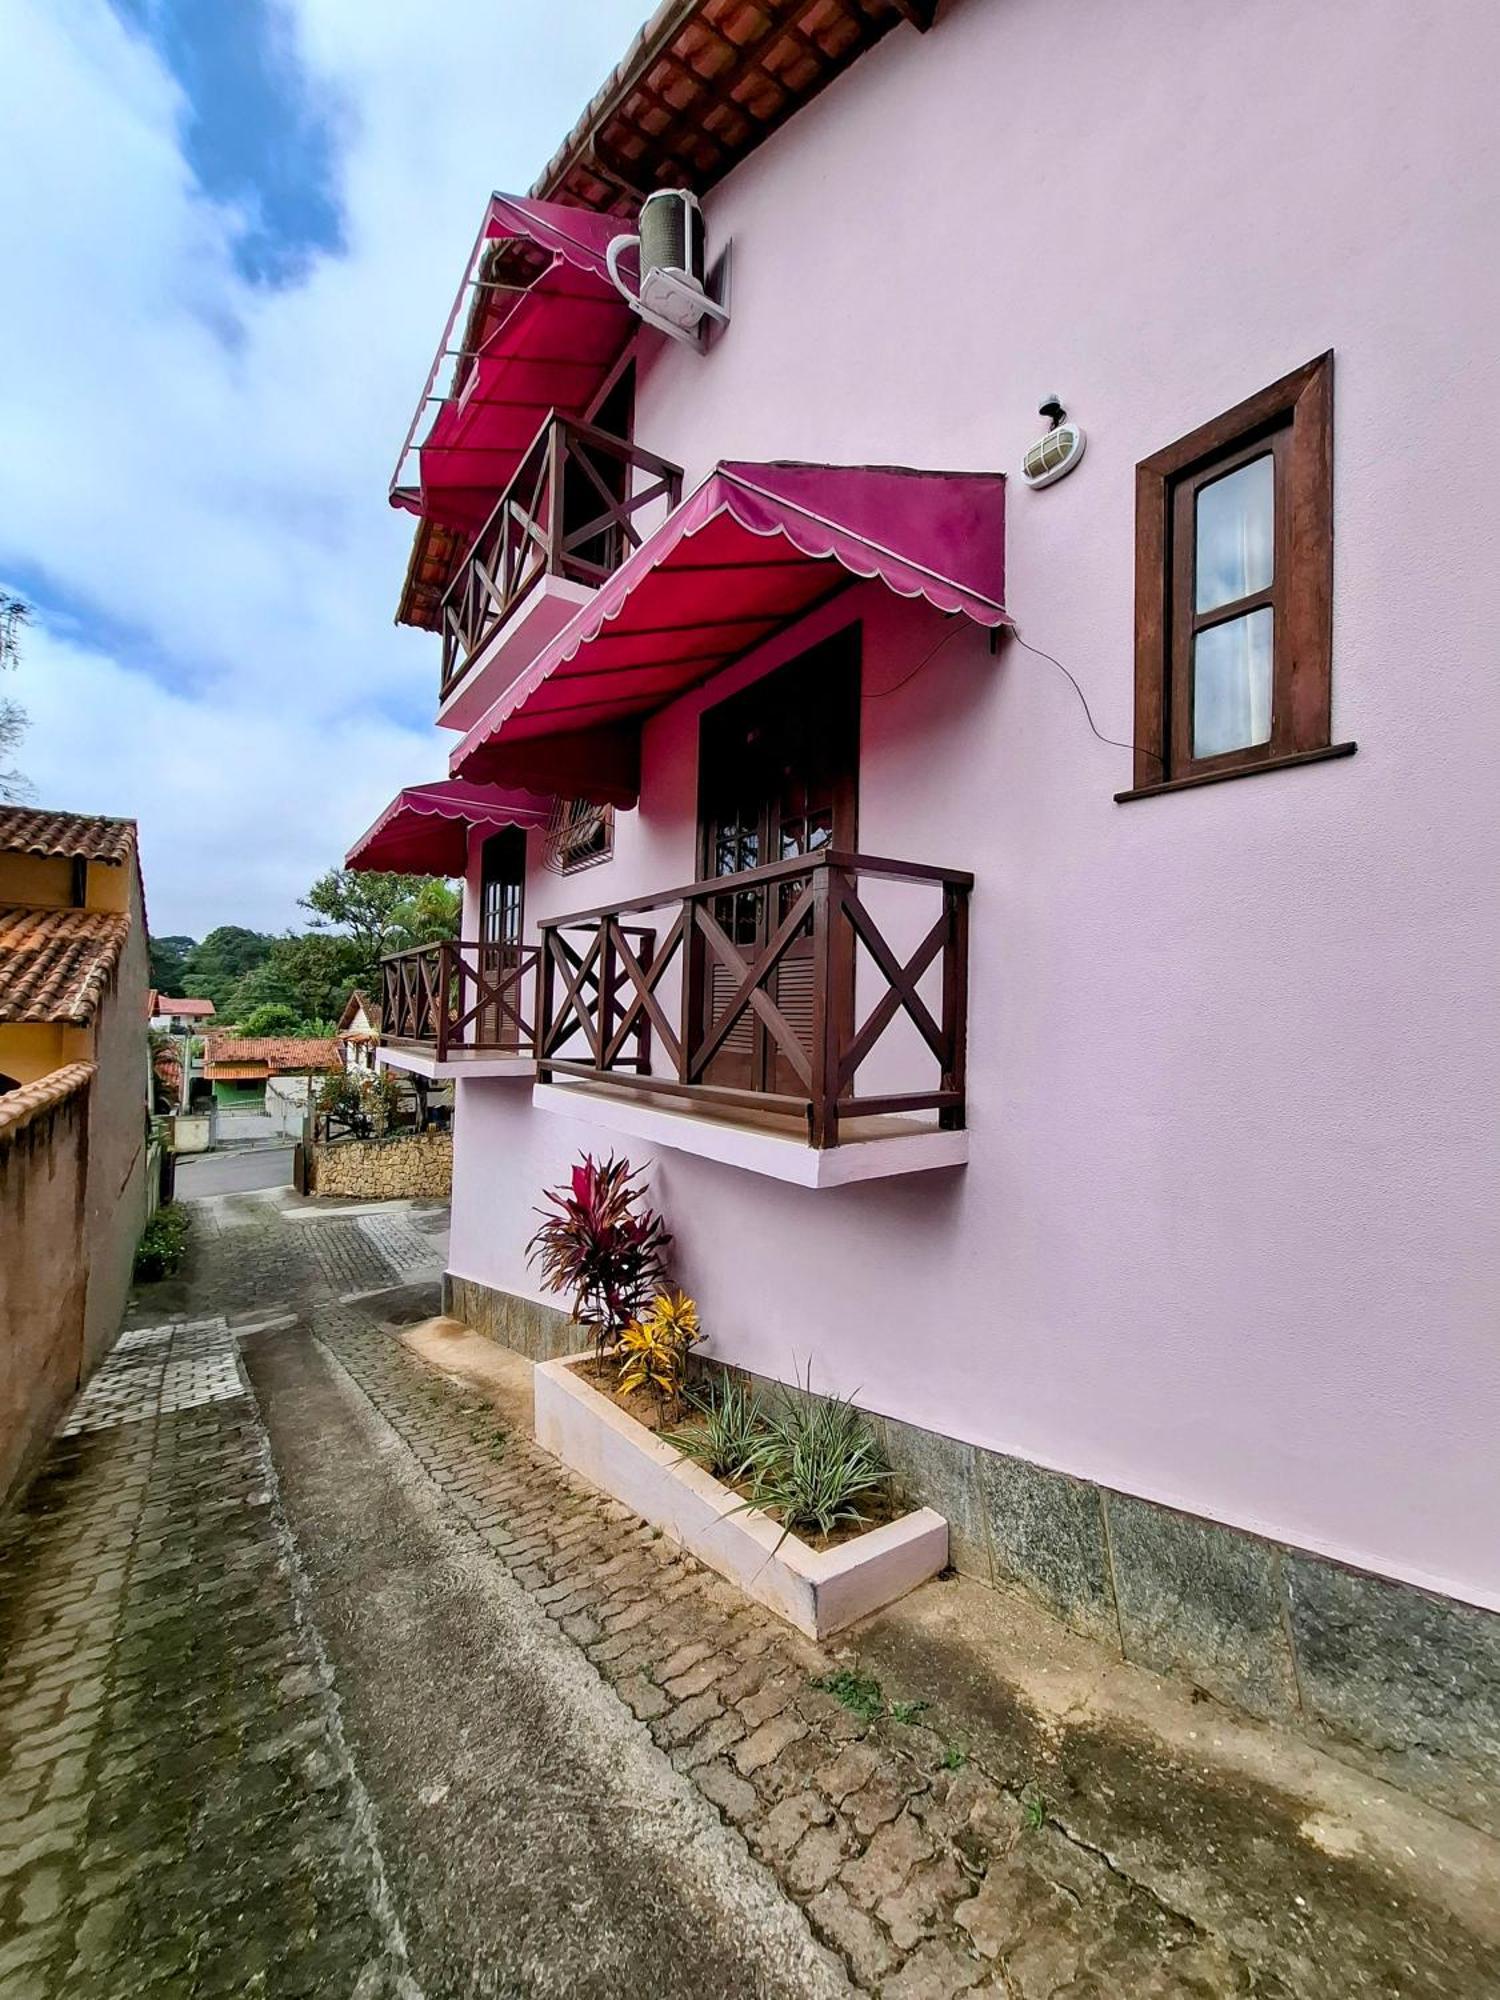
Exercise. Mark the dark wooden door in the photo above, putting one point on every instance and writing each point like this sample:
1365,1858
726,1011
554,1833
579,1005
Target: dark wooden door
778,777
502,915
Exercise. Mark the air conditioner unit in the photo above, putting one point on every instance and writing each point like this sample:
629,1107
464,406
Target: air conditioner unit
676,294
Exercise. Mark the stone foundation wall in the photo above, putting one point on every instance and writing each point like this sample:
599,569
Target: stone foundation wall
541,1333
1396,1680
408,1164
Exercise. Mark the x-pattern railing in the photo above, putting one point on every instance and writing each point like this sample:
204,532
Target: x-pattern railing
602,997
532,534
462,996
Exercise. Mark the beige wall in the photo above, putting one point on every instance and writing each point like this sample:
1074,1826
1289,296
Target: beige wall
43,1165
44,884
30,1050
117,1134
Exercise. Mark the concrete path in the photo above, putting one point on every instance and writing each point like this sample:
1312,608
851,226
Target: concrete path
318,1677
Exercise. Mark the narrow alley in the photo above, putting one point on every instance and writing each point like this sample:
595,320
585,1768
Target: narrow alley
319,1678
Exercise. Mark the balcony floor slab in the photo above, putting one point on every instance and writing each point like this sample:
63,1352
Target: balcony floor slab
536,620
420,1059
868,1149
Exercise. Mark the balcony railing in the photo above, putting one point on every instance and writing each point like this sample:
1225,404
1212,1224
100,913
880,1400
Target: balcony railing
571,510
462,998
766,974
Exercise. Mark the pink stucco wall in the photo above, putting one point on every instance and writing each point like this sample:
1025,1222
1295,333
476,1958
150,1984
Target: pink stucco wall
1230,1233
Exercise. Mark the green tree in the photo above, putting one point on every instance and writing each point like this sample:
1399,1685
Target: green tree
274,1018
312,974
169,963
224,957
379,913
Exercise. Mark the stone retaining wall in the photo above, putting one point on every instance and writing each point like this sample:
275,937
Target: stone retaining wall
408,1164
1399,1681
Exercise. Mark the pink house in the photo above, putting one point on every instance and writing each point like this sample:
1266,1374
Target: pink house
865,836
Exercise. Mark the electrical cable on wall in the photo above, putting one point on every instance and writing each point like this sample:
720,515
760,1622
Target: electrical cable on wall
1115,742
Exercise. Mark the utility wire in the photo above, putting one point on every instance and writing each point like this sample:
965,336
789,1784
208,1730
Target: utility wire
1114,742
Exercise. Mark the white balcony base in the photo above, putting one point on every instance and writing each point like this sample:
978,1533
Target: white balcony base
420,1059
869,1148
538,618
817,1590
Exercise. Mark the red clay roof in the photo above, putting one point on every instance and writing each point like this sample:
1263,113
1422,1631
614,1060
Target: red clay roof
198,1010
20,1108
55,964
278,1053
65,836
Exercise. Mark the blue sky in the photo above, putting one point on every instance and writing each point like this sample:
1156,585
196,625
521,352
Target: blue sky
231,230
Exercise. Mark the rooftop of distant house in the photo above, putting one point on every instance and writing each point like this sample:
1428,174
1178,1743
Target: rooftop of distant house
56,964
65,836
189,1008
265,1055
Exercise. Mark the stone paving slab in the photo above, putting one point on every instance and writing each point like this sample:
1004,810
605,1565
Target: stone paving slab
177,1811
180,1813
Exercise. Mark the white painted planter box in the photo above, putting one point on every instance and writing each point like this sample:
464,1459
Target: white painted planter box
818,1591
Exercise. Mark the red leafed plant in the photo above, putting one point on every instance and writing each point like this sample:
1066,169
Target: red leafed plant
603,1245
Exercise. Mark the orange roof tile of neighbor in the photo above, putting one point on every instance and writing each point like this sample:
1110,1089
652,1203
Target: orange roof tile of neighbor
275,1052
196,1010
65,836
55,964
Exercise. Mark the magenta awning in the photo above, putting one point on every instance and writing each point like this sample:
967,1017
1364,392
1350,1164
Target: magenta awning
750,550
425,828
549,347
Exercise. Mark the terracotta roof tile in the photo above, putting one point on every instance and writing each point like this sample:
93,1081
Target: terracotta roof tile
277,1052
65,836
18,1108
54,964
197,1010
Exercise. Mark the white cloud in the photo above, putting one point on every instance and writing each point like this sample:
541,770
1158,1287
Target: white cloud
201,463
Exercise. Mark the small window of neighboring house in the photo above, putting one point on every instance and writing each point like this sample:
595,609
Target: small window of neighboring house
1234,591
587,834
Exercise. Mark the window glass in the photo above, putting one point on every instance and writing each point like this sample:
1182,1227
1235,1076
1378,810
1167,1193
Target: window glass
1235,538
1232,684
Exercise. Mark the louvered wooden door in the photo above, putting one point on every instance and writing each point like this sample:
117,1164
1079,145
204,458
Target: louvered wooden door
502,893
778,777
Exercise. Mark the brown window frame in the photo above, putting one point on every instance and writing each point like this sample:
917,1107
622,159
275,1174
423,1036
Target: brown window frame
1294,418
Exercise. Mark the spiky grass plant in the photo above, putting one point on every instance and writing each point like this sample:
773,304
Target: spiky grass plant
818,1457
730,1430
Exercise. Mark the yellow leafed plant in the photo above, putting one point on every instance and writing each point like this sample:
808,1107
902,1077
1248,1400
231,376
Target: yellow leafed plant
656,1345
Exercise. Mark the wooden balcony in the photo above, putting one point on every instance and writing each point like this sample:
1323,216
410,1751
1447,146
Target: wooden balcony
572,511
460,1009
768,998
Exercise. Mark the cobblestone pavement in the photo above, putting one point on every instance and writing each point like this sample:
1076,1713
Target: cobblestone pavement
181,1753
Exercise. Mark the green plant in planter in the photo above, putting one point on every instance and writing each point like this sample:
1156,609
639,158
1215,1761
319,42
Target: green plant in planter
655,1346
162,1245
816,1459
730,1430
603,1245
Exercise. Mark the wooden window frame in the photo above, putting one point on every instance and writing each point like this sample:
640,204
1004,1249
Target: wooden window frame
1294,418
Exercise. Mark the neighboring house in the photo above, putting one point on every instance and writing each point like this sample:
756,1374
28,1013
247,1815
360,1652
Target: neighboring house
74,1083
1124,1136
181,1017
239,1068
359,1032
